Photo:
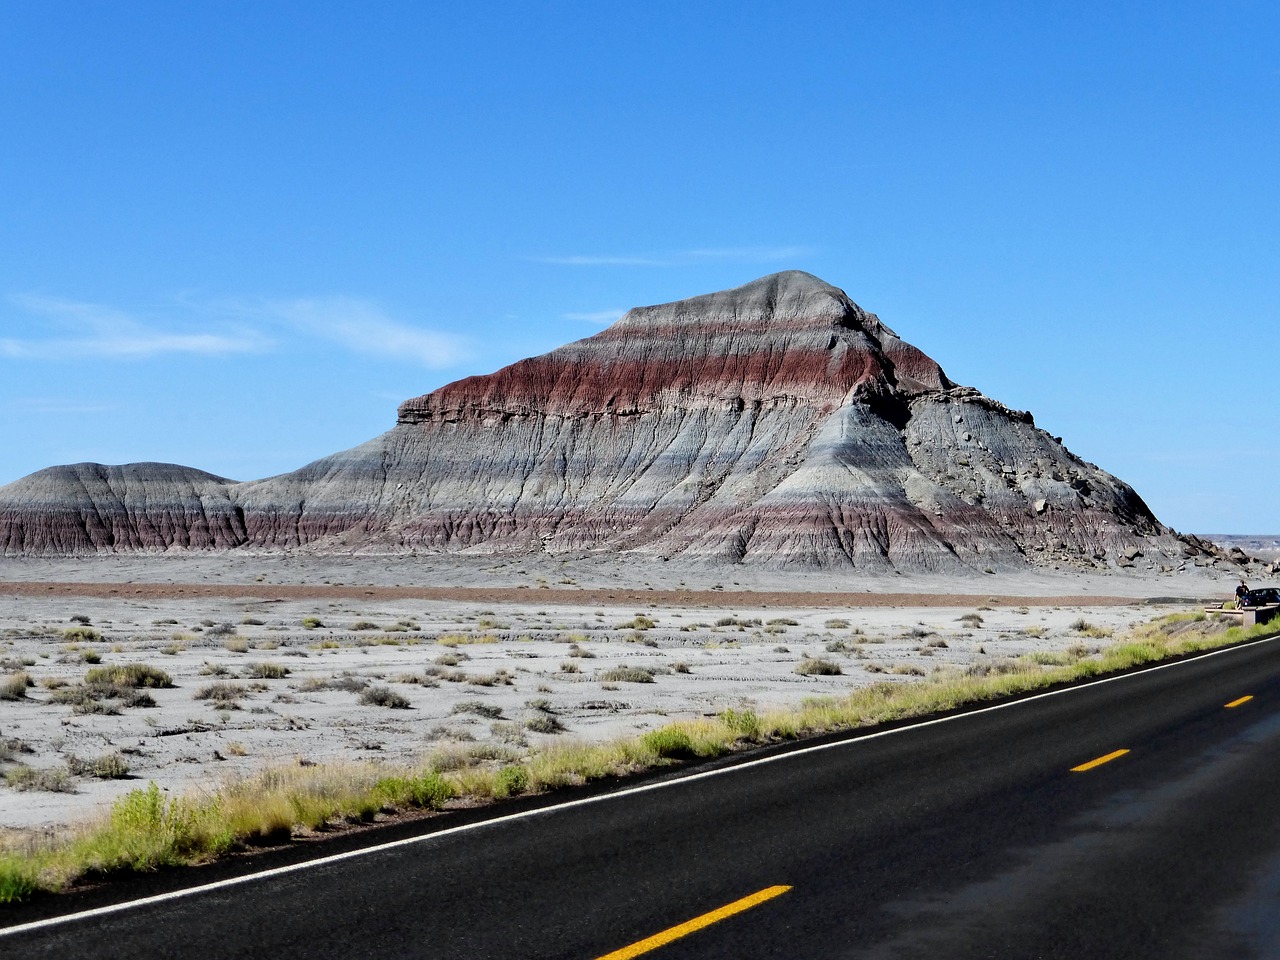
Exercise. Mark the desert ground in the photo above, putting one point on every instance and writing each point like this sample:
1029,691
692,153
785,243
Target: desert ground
285,659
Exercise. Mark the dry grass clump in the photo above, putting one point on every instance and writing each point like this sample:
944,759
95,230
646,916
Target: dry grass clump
266,671
625,674
81,635
14,686
383,697
224,695
816,667
640,622
48,780
463,639
109,766
478,707
129,675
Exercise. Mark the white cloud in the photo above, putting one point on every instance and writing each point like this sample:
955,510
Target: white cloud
680,257
596,316
90,330
363,327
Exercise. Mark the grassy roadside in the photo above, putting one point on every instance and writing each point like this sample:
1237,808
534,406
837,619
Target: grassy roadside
147,829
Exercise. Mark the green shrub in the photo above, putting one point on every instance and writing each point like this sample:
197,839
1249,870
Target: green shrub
543,723
745,723
80,634
641,622
510,781
311,623
429,791
668,742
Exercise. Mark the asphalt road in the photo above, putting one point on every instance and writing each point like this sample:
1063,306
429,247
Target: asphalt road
970,837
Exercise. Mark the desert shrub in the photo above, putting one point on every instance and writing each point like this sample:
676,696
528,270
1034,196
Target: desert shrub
128,675
668,742
577,651
52,780
365,625
81,634
224,695
782,622
220,629
836,624
109,766
236,644
570,667
971,619
14,686
814,667
383,697
641,622
311,623
543,723
80,618
735,622
10,748
250,622
625,674
680,666
266,671
510,781
479,708
908,670
90,656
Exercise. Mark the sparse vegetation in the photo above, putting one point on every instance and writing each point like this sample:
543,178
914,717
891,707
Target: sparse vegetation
266,671
147,829
815,667
625,674
383,697
14,686
128,675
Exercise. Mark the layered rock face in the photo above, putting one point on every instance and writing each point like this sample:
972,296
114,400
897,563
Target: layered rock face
775,424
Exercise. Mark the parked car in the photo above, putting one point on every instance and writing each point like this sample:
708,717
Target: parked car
1260,597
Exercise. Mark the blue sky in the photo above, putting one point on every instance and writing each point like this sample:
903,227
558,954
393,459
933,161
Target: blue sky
236,235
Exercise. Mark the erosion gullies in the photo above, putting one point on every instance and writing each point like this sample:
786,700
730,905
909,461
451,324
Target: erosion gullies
776,424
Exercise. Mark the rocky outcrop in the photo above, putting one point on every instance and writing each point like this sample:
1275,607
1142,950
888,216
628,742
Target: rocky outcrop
776,424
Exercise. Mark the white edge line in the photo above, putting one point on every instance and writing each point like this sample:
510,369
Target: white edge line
584,801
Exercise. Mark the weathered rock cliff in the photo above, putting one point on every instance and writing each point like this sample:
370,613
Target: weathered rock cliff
776,424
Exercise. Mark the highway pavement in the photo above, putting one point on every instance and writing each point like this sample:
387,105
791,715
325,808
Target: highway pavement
1135,817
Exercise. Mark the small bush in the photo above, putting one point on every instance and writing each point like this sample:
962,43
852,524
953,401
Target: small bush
510,781
365,625
837,624
383,697
680,667
224,695
250,622
430,791
312,623
625,674
543,723
570,667
14,686
23,777
641,622
971,619
745,723
80,618
236,645
81,634
128,675
479,708
782,622
813,667
109,766
266,671
669,742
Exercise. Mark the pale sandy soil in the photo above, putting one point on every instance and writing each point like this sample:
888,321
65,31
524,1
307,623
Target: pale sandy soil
399,624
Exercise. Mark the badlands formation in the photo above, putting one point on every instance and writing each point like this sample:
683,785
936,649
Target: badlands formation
774,426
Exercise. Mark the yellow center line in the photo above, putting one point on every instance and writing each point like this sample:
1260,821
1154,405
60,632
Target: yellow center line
1236,703
1099,762
697,923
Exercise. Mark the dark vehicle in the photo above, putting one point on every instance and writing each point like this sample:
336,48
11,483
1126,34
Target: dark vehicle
1261,597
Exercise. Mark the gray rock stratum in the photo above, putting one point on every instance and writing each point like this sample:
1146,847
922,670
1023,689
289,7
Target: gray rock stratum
775,424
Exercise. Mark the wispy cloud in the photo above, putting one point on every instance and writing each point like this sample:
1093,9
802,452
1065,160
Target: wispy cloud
77,330
596,316
678,258
363,327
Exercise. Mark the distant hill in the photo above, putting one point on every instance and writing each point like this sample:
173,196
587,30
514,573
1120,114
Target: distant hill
776,424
